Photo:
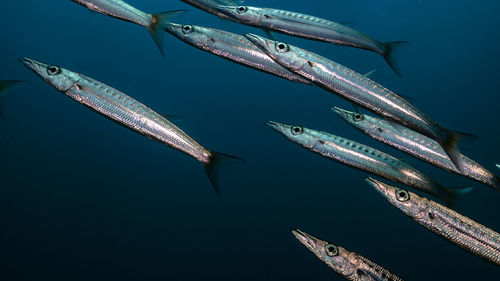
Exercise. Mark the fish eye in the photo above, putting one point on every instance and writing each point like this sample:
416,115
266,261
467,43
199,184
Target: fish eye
331,250
296,130
402,195
241,9
282,47
358,117
186,29
53,70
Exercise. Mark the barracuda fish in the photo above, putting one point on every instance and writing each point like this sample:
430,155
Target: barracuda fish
130,113
462,231
233,47
309,27
360,90
348,264
416,145
121,10
4,85
366,159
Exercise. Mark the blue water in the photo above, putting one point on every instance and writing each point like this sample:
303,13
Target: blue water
83,198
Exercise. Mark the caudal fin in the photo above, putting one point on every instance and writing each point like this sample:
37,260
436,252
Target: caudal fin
455,194
217,162
451,148
158,22
390,54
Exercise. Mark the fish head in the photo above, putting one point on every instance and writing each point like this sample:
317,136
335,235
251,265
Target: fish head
296,134
62,79
192,34
241,14
408,202
358,120
288,56
336,257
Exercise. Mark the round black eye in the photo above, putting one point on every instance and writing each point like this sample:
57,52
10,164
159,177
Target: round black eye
358,117
282,47
331,250
296,130
242,9
53,70
186,29
402,195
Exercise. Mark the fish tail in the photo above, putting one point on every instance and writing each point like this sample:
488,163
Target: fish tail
455,194
390,54
450,146
157,24
217,161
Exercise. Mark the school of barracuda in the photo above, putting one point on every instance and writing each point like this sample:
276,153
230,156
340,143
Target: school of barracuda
401,125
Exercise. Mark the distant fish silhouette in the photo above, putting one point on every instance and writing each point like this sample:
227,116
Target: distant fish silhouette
4,85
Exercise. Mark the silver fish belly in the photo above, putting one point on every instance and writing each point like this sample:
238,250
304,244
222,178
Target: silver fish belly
458,229
416,145
119,107
348,264
118,9
230,46
362,157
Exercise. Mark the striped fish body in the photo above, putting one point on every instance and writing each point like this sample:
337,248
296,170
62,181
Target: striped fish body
458,229
350,265
417,145
119,107
305,26
230,46
118,9
362,157
134,115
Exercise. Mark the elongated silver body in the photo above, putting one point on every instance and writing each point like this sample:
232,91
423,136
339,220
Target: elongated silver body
309,27
458,229
416,145
119,107
301,25
362,157
118,9
359,90
230,46
348,264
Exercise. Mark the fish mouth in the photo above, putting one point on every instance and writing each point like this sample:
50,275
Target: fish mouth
172,27
306,239
342,112
259,42
381,187
226,10
35,66
276,126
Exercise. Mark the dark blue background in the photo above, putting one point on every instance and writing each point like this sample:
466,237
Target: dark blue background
85,199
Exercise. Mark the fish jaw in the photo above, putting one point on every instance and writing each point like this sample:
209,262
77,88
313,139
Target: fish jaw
345,114
311,242
59,78
412,205
285,55
191,34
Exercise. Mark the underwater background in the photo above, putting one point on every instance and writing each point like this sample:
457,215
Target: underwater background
82,198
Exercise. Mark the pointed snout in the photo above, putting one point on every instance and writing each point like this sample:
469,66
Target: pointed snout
280,128
36,66
383,188
342,112
172,28
306,239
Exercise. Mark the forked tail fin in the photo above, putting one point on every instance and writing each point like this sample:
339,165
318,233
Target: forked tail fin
451,148
389,54
217,162
157,24
455,194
